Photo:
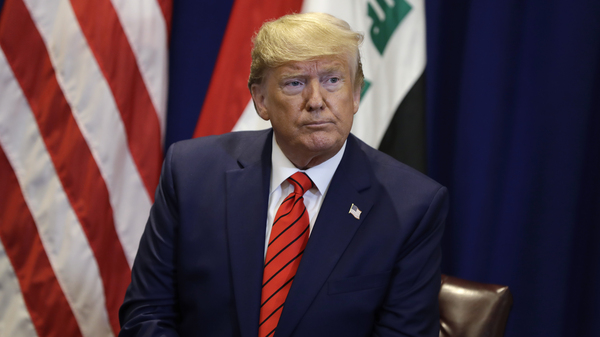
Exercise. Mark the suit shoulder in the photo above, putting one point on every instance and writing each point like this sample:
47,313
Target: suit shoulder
230,144
394,174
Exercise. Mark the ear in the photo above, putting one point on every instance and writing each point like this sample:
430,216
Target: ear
258,96
356,98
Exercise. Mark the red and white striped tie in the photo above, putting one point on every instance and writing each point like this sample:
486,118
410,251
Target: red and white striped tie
289,236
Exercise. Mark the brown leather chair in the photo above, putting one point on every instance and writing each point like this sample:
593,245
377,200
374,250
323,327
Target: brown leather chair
472,309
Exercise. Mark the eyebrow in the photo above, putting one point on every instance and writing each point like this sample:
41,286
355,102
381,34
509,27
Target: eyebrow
297,72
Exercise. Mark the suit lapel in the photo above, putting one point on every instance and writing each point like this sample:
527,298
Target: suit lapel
247,202
333,231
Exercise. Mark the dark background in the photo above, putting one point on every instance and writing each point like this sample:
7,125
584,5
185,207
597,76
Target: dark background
514,130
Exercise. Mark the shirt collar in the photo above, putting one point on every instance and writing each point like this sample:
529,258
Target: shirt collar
321,174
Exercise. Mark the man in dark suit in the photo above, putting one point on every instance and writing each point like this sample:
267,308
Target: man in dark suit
299,230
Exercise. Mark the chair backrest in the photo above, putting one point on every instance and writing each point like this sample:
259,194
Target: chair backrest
473,309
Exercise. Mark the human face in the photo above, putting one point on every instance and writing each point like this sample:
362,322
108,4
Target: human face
311,105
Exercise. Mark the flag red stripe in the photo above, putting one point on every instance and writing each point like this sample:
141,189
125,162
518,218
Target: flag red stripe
41,290
228,93
105,35
75,166
166,6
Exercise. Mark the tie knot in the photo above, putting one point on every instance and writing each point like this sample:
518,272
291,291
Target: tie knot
301,182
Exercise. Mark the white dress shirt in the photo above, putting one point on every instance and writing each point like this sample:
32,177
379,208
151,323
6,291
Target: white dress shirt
282,168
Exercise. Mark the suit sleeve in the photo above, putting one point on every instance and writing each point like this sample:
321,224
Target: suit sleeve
411,307
150,306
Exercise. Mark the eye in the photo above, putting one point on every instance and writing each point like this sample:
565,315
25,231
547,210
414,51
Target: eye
334,80
293,86
294,83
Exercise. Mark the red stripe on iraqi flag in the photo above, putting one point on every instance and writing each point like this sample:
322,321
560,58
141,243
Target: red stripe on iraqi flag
30,262
105,35
82,182
228,93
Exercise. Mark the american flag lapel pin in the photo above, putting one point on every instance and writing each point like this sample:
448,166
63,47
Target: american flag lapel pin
355,211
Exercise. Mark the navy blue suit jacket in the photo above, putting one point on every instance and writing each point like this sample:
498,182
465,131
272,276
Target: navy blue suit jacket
198,271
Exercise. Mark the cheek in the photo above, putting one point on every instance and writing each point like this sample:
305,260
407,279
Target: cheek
282,119
345,106
347,116
287,104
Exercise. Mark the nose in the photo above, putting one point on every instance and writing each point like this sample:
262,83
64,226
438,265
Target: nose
314,97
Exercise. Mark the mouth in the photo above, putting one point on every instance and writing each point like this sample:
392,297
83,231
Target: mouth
317,124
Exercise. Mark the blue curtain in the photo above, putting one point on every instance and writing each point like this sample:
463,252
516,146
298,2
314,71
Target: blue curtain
514,132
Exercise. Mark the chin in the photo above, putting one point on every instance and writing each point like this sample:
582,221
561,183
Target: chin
324,144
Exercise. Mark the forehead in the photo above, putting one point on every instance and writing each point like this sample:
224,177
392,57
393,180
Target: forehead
317,66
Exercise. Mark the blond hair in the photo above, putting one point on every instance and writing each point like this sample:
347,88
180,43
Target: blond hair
303,37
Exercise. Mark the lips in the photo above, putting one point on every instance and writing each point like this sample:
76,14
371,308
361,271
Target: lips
318,123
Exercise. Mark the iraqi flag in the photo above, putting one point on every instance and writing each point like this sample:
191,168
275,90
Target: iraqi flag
391,115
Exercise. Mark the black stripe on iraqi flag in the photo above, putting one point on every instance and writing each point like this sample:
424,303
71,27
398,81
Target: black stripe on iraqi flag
405,139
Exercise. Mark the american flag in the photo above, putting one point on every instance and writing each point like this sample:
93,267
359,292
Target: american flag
82,119
355,211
